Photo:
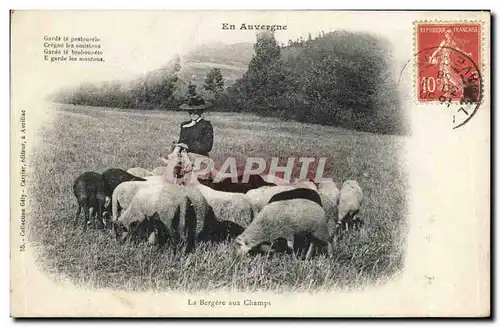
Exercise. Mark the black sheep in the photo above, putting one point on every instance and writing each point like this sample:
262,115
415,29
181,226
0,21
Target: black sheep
298,193
89,190
115,176
227,184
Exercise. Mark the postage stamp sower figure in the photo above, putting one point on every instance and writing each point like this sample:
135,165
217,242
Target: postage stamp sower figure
449,61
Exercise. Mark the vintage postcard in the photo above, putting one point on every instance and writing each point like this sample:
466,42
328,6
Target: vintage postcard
250,163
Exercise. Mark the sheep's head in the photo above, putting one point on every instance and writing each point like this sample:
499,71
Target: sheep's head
142,230
242,247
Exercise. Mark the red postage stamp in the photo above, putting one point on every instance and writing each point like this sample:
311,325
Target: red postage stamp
449,62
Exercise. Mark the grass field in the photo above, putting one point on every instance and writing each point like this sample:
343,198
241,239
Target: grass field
95,139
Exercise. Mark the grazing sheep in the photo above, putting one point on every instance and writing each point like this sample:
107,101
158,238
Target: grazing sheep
89,190
228,206
179,213
350,199
329,195
285,219
115,176
301,241
159,171
124,193
139,172
166,210
149,207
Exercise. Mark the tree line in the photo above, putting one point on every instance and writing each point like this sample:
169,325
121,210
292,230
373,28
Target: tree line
338,78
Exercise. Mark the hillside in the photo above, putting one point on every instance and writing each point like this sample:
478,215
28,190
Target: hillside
339,78
231,59
163,86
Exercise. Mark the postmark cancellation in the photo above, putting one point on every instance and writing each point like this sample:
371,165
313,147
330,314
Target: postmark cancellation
448,66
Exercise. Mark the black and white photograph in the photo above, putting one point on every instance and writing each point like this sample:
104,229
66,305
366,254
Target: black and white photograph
250,163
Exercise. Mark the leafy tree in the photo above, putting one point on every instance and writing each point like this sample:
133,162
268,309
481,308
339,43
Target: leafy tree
339,78
214,82
267,53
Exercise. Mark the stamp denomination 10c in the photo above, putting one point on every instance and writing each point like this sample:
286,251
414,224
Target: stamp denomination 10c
449,66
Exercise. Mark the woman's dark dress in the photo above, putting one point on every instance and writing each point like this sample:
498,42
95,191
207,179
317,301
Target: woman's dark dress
199,137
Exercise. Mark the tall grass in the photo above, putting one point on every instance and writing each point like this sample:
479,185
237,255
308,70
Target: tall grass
95,139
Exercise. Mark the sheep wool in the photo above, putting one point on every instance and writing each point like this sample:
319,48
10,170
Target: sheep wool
329,193
124,193
139,172
350,199
177,212
284,219
260,197
228,206
158,207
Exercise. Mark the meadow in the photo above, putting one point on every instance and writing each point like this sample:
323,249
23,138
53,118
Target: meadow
83,139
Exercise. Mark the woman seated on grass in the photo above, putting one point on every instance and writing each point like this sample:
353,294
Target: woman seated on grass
196,136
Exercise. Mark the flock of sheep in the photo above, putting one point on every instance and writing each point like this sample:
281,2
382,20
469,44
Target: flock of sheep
264,215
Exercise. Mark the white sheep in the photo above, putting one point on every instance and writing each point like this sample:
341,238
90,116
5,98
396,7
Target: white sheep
124,193
148,204
228,206
139,172
329,193
175,212
350,199
285,219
